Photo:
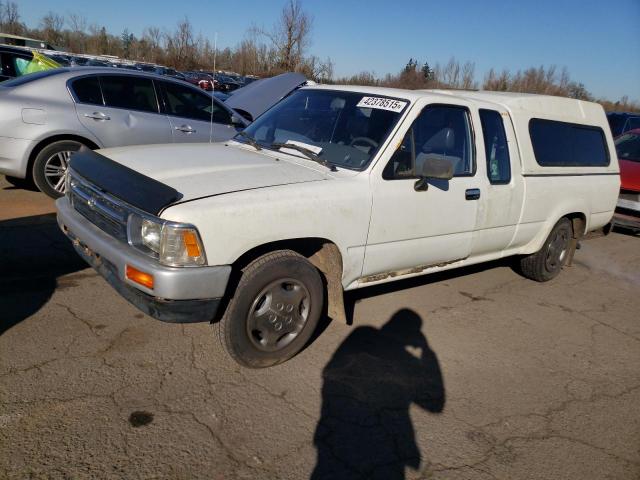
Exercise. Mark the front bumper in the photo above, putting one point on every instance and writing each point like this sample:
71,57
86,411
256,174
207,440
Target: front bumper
179,295
627,213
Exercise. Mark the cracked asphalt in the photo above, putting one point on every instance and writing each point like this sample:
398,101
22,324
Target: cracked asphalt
475,374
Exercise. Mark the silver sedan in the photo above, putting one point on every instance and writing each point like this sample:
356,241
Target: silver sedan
46,116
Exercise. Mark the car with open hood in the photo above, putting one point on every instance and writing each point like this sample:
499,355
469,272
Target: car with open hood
336,188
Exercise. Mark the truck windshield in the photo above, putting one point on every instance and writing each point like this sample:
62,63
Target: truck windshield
345,129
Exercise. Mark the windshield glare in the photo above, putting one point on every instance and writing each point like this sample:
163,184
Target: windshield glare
347,132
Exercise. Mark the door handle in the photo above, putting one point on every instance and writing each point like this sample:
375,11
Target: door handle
98,116
472,193
185,129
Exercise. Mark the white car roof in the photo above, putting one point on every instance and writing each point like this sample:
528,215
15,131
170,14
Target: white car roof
567,109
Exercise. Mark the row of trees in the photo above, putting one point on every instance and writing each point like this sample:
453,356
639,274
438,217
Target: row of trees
281,48
263,51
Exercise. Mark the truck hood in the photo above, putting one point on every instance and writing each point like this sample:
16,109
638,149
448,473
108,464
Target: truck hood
204,170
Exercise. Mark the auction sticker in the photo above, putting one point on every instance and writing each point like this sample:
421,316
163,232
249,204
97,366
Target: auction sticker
382,104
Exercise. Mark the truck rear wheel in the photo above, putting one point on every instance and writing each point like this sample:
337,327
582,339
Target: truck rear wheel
274,310
546,264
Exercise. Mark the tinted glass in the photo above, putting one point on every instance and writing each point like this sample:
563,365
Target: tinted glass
16,82
560,144
633,123
87,90
440,132
495,147
186,102
628,147
132,93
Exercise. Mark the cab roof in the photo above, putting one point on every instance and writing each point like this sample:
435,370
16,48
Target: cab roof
567,109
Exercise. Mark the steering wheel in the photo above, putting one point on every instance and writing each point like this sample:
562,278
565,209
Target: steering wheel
364,140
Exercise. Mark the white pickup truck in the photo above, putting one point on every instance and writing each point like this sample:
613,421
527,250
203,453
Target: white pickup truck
337,188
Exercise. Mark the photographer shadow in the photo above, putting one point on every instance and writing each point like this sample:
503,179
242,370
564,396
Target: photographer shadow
34,253
375,375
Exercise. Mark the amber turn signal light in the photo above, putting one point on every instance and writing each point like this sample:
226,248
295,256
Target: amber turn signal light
140,277
191,243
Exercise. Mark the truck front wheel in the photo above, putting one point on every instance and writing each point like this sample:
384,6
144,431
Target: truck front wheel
274,310
546,263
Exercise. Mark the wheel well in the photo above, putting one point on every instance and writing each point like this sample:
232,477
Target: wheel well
48,141
579,223
322,253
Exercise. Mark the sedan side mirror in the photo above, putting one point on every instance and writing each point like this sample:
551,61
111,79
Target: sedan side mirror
434,168
237,122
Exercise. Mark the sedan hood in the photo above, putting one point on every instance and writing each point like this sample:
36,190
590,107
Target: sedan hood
203,170
259,96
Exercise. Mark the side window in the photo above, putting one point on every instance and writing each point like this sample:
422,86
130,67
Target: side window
495,147
132,93
6,68
187,102
439,132
632,123
87,90
561,144
628,147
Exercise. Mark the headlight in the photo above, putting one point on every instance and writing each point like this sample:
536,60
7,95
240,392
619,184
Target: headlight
173,244
150,233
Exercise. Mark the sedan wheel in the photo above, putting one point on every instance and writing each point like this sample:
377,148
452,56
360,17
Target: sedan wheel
55,169
50,166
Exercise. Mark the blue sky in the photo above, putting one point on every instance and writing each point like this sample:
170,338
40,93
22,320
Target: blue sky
598,41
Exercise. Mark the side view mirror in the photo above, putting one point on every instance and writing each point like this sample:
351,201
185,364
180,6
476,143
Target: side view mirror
237,122
434,168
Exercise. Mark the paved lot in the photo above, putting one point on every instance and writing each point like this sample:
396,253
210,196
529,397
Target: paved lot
483,375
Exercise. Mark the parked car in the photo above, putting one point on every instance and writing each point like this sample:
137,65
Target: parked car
46,116
628,150
15,62
337,188
226,83
621,122
201,80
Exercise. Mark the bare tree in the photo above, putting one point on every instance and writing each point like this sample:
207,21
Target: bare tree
10,19
52,24
291,35
181,46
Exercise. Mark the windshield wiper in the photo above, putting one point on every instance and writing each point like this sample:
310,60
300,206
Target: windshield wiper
308,153
250,140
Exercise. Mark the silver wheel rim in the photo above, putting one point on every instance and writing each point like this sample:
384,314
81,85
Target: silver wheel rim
278,314
557,250
55,169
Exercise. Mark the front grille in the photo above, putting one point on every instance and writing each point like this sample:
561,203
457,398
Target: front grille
104,211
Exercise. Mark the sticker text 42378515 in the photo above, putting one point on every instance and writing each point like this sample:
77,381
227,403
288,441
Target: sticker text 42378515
382,103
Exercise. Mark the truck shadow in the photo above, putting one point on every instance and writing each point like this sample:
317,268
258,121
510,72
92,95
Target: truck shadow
371,381
33,254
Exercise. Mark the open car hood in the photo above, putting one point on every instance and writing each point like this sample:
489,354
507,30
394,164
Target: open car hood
257,97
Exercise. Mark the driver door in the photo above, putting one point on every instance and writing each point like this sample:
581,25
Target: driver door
421,229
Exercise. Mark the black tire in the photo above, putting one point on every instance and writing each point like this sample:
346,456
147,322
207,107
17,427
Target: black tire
546,264
54,158
254,329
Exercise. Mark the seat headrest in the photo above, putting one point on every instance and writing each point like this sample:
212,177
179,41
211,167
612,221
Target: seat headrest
440,142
